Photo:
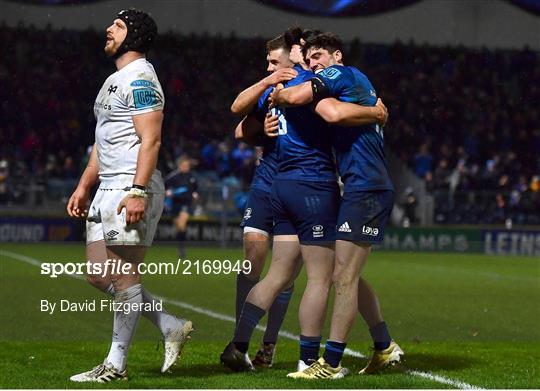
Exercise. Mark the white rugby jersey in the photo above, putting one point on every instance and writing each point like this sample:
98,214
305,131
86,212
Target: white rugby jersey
132,90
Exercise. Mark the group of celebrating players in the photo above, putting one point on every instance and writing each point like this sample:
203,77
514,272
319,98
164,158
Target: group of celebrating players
310,112
313,116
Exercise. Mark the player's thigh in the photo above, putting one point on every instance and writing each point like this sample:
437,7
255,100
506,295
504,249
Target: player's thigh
319,261
297,269
285,256
181,220
96,252
255,249
349,260
125,271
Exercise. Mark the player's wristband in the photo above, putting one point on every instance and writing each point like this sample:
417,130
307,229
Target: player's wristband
137,192
319,89
141,187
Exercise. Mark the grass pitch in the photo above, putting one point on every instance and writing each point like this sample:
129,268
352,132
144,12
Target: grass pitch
463,320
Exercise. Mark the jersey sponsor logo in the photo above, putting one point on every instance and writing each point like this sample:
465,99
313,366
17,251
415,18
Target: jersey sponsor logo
370,231
104,106
145,97
331,73
318,231
112,89
142,83
345,227
111,234
372,93
247,214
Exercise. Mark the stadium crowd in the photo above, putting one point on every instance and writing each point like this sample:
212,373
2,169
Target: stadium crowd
466,121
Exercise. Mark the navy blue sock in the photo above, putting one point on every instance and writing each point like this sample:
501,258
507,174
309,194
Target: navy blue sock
333,352
243,286
381,336
250,317
276,314
309,348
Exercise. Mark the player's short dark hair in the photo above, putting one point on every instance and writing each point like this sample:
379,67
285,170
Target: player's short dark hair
277,43
295,34
327,41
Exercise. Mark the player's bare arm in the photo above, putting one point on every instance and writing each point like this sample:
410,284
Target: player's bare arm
248,130
299,95
330,109
148,128
247,99
340,113
78,202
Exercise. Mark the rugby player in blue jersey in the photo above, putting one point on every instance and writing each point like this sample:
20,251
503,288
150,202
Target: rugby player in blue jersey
257,221
304,199
365,208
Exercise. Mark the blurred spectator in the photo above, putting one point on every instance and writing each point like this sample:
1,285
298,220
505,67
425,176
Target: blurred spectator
4,174
241,155
423,161
409,207
223,160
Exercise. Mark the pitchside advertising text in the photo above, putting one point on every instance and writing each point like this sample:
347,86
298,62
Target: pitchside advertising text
462,240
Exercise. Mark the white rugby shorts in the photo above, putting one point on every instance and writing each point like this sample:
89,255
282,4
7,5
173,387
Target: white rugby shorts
103,222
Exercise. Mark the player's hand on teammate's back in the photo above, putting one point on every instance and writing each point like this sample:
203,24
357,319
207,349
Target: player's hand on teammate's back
135,207
77,205
279,76
384,112
271,125
273,99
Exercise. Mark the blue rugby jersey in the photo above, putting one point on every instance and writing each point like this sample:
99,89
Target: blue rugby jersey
359,150
304,143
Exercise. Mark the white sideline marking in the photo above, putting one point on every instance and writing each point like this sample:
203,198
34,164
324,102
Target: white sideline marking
227,318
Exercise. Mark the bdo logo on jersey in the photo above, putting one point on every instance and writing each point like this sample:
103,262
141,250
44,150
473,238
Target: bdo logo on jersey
145,97
318,231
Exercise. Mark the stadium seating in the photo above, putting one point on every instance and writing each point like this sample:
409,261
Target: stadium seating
465,120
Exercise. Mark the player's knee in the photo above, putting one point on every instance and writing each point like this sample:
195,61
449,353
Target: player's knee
257,265
323,282
276,282
343,276
255,248
98,281
344,282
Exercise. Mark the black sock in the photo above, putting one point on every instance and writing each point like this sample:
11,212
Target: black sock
309,348
243,286
276,314
333,352
250,317
381,336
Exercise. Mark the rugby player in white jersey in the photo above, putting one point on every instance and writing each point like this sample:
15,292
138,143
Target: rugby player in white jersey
123,216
